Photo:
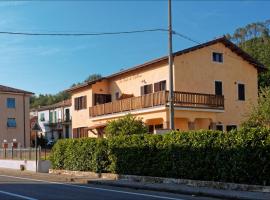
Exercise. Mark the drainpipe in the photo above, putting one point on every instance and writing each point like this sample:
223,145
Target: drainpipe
24,131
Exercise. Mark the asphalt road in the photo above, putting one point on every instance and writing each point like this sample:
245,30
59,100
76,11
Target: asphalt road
18,188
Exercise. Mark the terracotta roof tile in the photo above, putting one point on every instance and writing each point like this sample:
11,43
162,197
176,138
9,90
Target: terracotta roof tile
13,90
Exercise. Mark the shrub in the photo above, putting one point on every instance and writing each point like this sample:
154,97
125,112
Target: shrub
127,125
87,154
260,114
238,156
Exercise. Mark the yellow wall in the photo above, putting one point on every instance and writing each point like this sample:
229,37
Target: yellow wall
130,83
21,116
196,72
80,118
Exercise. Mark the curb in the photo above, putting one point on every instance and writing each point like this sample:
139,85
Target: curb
176,191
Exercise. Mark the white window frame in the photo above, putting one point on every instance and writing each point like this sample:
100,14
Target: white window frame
216,61
237,91
220,125
231,125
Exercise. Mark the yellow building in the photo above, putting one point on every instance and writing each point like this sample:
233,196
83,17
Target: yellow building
215,84
14,117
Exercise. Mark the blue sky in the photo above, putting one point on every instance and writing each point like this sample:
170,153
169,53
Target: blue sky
50,64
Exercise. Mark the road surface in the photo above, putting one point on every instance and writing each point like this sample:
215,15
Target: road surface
28,188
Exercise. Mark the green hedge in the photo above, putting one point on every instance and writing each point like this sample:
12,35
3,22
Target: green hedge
241,157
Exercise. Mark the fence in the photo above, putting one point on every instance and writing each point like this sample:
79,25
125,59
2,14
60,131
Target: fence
24,153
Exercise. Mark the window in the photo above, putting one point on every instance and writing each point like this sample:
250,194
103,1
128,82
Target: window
241,92
159,126
80,103
219,127
42,117
218,87
146,89
230,127
102,98
160,86
11,102
80,132
67,115
117,95
151,128
11,123
217,57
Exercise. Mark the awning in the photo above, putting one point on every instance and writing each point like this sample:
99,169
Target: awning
101,125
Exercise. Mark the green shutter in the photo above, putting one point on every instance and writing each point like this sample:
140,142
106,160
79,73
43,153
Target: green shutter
55,117
50,117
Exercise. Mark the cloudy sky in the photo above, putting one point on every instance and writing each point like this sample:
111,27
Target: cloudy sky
44,64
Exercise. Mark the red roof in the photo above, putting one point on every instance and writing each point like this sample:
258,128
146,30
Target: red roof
13,90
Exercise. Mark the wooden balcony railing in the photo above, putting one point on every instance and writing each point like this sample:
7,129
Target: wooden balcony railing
181,99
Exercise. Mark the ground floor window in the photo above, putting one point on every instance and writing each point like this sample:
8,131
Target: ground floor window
151,128
80,132
11,123
219,127
230,127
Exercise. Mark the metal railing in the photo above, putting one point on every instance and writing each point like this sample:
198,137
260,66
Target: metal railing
24,153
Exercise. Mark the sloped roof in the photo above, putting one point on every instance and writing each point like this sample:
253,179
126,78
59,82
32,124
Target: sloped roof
222,40
65,103
13,90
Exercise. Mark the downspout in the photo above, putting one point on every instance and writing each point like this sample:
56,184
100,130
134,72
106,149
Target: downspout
24,131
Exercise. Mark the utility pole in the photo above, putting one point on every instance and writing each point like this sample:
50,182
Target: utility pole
170,60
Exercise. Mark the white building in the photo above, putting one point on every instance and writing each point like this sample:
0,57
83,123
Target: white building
55,120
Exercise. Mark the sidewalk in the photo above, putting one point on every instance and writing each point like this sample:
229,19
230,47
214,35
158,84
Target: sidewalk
184,189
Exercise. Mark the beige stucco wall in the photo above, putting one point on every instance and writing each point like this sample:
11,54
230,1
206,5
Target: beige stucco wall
80,118
130,83
21,113
196,72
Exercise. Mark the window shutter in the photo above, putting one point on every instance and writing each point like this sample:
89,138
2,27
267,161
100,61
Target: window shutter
142,90
150,88
163,85
75,133
85,132
84,103
156,87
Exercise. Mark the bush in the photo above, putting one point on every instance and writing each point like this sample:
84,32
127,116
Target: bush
88,154
260,114
241,157
127,125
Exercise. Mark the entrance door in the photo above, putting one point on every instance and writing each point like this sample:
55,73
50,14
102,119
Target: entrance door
67,131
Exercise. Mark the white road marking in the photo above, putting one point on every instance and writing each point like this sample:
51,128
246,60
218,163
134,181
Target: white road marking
95,188
16,195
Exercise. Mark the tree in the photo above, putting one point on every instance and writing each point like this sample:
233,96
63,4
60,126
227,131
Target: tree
127,125
254,38
260,114
49,99
93,77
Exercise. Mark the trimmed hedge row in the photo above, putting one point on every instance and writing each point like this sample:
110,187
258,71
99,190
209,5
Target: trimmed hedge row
240,157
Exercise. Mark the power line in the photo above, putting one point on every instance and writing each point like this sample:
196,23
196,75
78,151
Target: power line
199,43
81,34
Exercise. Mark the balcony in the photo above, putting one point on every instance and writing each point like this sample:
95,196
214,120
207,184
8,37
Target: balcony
181,99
